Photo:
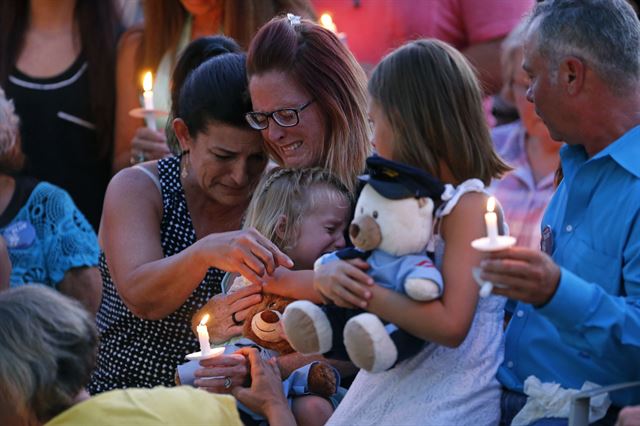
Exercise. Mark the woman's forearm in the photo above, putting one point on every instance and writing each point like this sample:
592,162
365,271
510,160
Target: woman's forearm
156,289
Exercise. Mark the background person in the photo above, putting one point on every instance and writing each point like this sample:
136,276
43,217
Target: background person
57,64
48,239
527,146
161,267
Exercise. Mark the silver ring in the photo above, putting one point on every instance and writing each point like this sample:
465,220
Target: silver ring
227,382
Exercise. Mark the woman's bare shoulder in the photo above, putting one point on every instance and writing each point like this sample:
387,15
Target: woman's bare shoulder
133,183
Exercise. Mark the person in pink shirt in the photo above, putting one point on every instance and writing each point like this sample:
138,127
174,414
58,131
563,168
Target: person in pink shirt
374,28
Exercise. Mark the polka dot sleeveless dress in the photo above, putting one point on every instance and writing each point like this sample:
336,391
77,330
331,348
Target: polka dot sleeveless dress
144,353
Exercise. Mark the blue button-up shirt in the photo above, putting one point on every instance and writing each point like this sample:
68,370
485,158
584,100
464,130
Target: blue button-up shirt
590,329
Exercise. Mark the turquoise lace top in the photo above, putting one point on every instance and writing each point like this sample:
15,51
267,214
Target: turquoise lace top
47,237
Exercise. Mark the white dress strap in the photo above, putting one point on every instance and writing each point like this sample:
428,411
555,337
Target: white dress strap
153,177
452,194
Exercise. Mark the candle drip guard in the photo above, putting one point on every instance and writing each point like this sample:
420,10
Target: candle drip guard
485,244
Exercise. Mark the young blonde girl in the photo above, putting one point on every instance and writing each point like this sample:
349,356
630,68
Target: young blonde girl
426,111
305,213
302,211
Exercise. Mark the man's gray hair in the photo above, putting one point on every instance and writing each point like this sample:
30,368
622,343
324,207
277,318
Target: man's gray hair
603,33
47,350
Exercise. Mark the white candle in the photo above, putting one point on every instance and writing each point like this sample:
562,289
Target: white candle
491,220
147,95
203,336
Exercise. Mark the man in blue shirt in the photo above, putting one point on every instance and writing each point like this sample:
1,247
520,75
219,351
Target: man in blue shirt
577,316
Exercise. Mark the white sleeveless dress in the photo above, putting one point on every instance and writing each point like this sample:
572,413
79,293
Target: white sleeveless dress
440,385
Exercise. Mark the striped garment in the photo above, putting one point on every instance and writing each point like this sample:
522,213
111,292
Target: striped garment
523,200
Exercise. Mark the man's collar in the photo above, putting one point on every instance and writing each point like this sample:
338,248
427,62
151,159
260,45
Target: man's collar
625,151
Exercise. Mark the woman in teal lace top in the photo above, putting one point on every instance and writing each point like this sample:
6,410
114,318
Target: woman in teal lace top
48,239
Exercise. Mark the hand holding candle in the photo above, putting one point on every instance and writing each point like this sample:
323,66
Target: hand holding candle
492,242
203,336
147,86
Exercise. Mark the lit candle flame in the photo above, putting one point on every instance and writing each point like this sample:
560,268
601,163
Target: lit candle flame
327,22
147,81
204,319
491,204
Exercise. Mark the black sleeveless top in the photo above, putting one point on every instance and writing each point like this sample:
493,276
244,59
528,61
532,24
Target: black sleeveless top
142,353
59,137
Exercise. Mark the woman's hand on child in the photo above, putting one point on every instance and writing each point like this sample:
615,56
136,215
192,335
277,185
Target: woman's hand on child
344,283
220,374
246,252
265,396
228,312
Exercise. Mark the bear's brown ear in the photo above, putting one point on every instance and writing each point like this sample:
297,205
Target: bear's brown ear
422,202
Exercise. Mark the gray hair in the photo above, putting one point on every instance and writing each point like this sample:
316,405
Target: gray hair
47,350
603,33
9,124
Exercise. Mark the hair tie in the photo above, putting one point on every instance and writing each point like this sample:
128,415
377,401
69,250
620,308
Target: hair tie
293,19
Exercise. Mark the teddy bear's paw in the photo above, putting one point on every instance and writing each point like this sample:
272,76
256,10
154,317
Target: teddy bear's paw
421,289
307,328
368,343
322,379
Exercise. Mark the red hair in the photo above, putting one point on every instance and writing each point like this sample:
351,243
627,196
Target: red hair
321,65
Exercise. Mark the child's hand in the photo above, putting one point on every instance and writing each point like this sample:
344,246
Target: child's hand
344,283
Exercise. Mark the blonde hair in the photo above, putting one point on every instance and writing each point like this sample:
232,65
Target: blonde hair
287,194
433,101
316,60
47,350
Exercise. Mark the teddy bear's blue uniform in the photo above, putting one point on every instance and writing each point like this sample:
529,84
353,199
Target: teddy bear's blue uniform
388,271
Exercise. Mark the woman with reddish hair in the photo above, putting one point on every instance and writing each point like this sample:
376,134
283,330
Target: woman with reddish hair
309,98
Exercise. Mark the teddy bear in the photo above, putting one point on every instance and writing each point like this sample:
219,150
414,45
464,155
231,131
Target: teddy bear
263,328
263,332
391,227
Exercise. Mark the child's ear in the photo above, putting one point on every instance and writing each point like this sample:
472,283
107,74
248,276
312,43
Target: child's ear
281,228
